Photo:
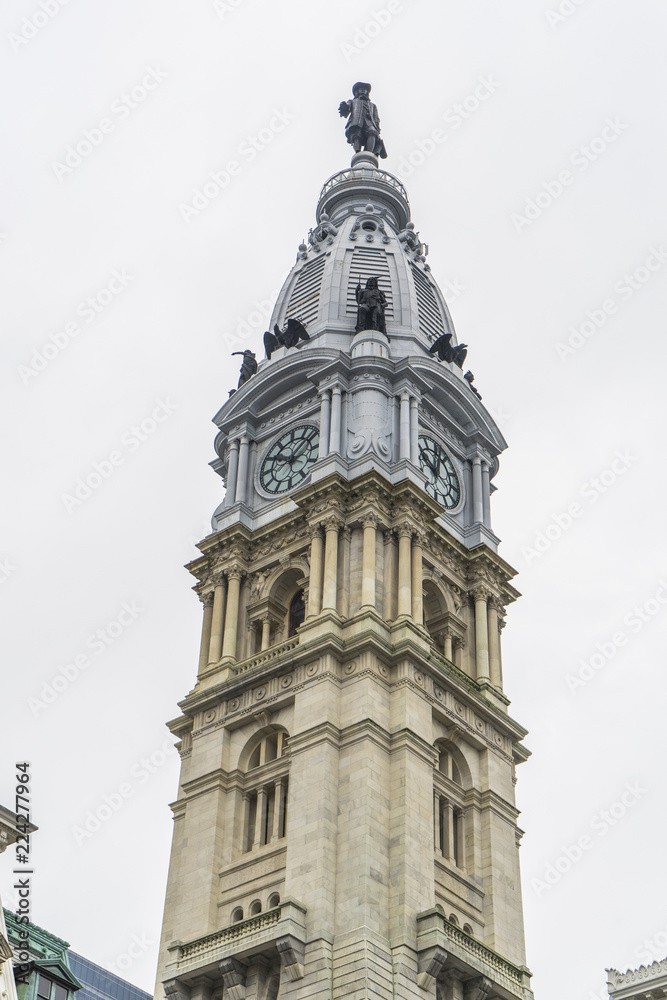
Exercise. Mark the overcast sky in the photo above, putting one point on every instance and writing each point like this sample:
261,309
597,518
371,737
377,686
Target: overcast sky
530,136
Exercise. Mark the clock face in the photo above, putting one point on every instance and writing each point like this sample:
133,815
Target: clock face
442,482
289,459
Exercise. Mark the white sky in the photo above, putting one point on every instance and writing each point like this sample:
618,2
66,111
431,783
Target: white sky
515,290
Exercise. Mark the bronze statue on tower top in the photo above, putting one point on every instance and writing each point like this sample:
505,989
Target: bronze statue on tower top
363,125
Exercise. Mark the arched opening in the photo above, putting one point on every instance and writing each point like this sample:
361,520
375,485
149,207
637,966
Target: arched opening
468,929
237,915
255,907
453,919
297,613
274,900
264,797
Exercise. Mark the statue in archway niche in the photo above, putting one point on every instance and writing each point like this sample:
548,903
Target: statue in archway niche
371,303
363,125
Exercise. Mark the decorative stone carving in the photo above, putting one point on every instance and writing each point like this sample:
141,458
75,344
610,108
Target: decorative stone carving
234,977
431,966
477,989
410,239
291,952
324,231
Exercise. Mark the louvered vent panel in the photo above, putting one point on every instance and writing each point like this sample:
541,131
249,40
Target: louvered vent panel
369,263
305,299
430,318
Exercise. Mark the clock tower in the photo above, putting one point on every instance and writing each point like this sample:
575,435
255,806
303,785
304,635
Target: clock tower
345,824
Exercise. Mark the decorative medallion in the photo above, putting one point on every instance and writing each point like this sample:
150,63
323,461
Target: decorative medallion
286,681
210,715
349,668
419,678
311,669
260,693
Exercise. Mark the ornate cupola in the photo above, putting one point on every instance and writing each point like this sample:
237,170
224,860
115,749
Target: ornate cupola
345,824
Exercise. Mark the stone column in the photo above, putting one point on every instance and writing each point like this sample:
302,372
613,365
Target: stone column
494,643
329,592
414,431
242,483
368,563
486,494
404,571
460,841
206,630
448,644
315,584
477,503
404,431
277,810
266,632
325,422
260,816
417,602
390,571
232,617
449,829
232,472
481,596
217,618
334,439
345,540
436,821
458,652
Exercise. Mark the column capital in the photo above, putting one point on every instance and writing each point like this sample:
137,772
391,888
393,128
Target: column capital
235,572
480,592
370,520
404,531
207,598
332,521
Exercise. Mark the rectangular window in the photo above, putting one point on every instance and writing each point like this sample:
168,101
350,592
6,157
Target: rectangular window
43,987
60,993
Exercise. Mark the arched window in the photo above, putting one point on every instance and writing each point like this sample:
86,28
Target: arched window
237,915
274,900
449,805
468,929
297,613
255,907
265,790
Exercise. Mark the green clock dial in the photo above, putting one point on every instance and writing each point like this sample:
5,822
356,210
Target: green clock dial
441,479
289,459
